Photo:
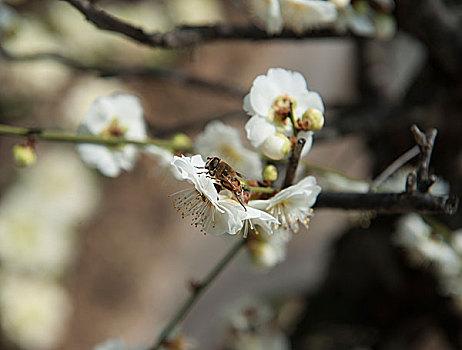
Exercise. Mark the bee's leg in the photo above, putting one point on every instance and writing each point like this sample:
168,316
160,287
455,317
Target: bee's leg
241,202
235,195
217,187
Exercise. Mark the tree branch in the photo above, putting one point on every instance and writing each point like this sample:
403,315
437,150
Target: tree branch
293,162
59,136
187,36
128,71
425,142
390,203
198,290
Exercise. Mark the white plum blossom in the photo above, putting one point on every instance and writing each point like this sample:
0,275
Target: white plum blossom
276,103
292,205
33,313
203,203
118,115
224,141
298,15
215,214
258,222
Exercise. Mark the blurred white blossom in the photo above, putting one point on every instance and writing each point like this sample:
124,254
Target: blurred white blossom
365,21
116,344
224,141
199,12
39,214
269,12
32,242
118,115
33,313
249,324
397,183
302,15
83,92
9,20
298,15
81,39
267,250
427,247
38,78
336,182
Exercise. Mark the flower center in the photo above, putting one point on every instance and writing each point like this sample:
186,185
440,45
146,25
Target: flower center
281,108
114,129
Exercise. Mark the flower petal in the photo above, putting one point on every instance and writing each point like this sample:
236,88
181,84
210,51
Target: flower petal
258,129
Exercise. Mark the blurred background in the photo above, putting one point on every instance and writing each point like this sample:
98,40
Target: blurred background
84,258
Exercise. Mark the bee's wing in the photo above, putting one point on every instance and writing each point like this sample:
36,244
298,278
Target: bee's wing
240,175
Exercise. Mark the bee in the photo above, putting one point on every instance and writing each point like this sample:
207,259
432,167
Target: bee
226,177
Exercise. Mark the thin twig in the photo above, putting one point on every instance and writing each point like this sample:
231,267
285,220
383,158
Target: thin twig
393,167
196,293
425,142
77,138
390,203
187,36
127,71
293,162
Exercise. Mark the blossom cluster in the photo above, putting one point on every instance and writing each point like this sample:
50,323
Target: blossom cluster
37,247
433,246
220,199
301,15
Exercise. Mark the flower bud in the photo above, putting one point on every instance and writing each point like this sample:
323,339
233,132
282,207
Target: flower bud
263,254
276,146
181,141
24,155
314,118
270,173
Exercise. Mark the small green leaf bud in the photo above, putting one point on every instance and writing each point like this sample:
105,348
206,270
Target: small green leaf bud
270,173
181,141
24,155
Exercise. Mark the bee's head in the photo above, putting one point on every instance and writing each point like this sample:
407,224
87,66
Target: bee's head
212,163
